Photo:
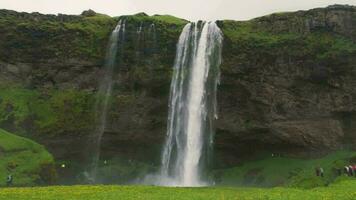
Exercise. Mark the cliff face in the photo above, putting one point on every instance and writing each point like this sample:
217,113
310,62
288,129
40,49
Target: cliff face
50,98
287,83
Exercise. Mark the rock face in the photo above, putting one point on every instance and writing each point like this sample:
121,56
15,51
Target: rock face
287,83
290,83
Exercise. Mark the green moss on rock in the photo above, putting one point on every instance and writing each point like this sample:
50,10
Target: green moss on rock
46,112
59,36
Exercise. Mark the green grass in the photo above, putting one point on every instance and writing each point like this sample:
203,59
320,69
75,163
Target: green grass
321,45
275,171
169,19
157,19
344,190
22,158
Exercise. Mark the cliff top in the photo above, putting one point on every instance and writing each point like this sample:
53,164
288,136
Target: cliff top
4,13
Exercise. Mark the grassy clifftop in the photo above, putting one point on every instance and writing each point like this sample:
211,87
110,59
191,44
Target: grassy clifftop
320,36
34,37
27,161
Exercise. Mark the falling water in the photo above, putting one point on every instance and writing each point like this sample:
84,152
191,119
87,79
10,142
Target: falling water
139,33
192,107
151,48
139,29
104,93
152,32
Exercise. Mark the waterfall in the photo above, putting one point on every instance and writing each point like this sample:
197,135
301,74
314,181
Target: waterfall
152,32
139,29
192,107
151,49
146,44
104,93
140,37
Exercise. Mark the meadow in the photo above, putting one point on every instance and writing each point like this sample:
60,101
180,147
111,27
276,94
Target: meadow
341,190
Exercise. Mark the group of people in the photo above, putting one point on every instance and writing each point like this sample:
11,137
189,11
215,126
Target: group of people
350,170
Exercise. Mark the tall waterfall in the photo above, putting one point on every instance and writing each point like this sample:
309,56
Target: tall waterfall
192,107
104,93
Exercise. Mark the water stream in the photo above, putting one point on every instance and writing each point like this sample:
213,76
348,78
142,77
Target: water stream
192,107
104,93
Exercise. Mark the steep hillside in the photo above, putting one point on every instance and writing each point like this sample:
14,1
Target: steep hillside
28,162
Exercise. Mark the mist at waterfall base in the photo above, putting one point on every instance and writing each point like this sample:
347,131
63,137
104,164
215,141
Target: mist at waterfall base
192,108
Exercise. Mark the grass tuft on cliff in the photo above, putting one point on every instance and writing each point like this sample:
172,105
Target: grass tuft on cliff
27,161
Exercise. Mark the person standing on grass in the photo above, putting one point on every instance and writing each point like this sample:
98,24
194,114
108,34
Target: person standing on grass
9,180
346,170
321,172
317,171
351,171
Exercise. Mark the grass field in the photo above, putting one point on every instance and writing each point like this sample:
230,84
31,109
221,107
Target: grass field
343,190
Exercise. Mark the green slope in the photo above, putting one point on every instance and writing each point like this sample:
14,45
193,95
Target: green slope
27,161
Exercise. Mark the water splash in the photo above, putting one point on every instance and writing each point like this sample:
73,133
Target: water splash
104,93
192,107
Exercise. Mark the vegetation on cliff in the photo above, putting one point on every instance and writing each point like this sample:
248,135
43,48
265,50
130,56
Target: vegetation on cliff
63,36
49,112
255,41
36,37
